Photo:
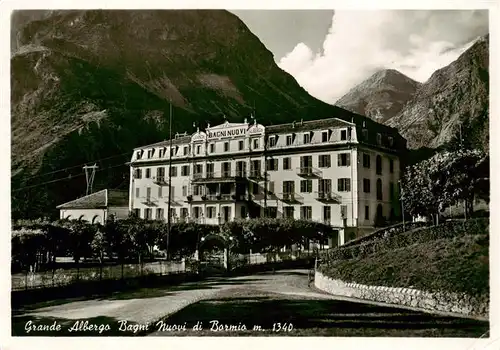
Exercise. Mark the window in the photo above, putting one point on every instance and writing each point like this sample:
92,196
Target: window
365,134
367,212
272,212
139,154
159,214
391,166
226,169
343,211
324,136
379,190
173,171
184,212
212,148
391,190
148,193
378,165
150,153
391,141
197,190
148,213
160,173
344,185
379,139
255,188
198,149
184,191
185,170
306,163
243,211
186,150
287,163
211,212
241,168
138,173
343,135
307,138
255,143
172,192
306,186
272,141
226,146
272,164
344,159
137,192
210,169
324,186
327,213
137,212
173,151
366,185
148,173
255,167
366,160
288,187
306,213
173,213
197,212
160,192
324,161
288,212
289,140
162,152
240,145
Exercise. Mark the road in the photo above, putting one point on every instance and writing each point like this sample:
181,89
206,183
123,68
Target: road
259,305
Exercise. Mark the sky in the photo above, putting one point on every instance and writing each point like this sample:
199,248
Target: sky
329,52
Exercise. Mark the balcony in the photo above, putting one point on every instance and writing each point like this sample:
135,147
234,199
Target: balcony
256,174
290,198
175,201
327,197
218,197
149,201
217,177
308,172
160,180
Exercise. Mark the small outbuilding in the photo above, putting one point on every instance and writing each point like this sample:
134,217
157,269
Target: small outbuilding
97,207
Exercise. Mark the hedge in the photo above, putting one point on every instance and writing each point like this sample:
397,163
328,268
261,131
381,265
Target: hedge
446,230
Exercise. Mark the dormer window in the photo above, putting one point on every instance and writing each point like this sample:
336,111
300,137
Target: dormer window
391,141
379,139
186,150
343,135
307,138
139,154
150,153
198,149
172,151
324,136
289,140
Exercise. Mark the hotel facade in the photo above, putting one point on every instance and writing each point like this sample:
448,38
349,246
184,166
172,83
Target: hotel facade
341,173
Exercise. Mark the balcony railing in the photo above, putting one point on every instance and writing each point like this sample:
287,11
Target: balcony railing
149,201
160,180
231,175
290,197
256,174
308,171
327,196
218,197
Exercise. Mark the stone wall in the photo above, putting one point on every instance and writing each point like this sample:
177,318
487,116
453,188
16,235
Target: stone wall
441,301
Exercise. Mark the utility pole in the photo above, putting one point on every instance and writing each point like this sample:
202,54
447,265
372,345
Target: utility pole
89,176
169,219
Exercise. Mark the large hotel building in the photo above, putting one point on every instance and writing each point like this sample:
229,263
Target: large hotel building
333,171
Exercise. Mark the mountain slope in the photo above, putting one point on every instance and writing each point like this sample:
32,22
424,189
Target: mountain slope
91,85
381,96
455,99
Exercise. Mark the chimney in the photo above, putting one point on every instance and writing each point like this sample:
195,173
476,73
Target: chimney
293,124
301,122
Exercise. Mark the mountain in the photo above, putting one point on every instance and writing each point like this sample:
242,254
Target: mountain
90,85
381,96
454,100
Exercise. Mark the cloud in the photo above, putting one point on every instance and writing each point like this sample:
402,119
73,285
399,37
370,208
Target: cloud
359,43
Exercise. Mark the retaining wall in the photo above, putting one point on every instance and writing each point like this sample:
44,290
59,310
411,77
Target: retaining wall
440,301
